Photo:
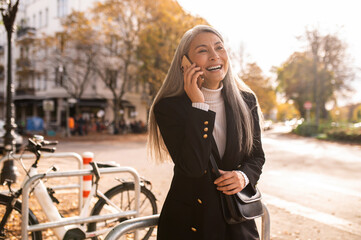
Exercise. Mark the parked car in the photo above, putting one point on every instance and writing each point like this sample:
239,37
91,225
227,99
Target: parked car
18,138
267,125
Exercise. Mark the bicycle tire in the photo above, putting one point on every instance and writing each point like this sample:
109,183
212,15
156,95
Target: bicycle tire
118,191
15,231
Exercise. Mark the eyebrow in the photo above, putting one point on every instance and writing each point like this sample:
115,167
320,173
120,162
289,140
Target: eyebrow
203,45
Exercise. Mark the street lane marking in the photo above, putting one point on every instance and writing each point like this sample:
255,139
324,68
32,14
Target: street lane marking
312,214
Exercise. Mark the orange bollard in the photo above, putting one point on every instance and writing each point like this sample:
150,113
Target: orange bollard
87,179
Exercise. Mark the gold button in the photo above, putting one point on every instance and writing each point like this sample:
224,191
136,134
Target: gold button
200,201
205,136
206,123
194,229
206,129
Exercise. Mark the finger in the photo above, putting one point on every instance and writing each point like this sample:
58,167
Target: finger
234,191
200,81
191,68
187,77
227,182
192,74
188,69
228,187
225,175
196,77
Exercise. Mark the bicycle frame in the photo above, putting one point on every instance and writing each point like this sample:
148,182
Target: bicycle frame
82,218
41,194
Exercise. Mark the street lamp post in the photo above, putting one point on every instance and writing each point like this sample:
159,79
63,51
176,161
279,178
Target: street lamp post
8,12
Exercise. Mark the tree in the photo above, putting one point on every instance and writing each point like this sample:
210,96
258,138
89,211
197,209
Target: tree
295,80
261,85
317,74
72,54
356,113
159,39
120,23
286,111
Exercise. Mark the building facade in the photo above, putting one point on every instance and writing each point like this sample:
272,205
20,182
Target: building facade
38,92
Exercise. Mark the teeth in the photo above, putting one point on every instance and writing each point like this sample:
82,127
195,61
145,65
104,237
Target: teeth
214,68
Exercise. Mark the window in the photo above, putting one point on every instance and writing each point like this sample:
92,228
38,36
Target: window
34,21
40,19
137,86
113,45
111,78
45,80
46,17
60,74
37,82
62,8
22,22
130,85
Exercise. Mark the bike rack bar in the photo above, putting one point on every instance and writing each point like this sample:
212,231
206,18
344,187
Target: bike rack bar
76,220
132,224
62,155
25,227
266,224
151,221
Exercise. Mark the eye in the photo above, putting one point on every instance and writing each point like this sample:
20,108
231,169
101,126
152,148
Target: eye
202,51
220,48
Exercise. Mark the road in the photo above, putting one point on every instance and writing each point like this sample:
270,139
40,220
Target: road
312,188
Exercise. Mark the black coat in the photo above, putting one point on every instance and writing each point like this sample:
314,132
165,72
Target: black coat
192,208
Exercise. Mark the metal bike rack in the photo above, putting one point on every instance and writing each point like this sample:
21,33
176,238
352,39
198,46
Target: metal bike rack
63,155
151,221
25,227
266,224
132,224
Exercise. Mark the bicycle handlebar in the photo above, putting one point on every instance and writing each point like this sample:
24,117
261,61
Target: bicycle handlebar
35,145
51,150
49,143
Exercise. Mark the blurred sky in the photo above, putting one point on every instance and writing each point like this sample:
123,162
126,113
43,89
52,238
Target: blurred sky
268,29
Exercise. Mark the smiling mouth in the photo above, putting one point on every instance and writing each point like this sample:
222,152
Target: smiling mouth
214,68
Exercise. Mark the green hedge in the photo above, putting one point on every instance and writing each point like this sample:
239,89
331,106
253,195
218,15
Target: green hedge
306,129
329,131
349,135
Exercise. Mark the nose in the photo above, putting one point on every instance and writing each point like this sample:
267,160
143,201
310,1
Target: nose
213,55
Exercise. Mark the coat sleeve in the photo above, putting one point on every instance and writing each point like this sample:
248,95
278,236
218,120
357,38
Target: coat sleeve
186,132
253,163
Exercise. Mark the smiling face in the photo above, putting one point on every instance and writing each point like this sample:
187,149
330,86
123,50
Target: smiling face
207,52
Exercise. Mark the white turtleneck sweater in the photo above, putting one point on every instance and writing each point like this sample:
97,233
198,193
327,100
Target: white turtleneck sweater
214,101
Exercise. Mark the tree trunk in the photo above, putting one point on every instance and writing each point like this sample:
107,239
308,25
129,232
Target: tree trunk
116,115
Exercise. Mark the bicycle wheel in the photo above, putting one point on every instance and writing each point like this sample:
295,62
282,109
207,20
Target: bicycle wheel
123,196
12,227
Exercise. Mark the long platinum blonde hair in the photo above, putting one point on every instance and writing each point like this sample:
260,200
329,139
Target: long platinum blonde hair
173,86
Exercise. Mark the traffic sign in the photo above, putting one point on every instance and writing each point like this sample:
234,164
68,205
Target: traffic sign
307,105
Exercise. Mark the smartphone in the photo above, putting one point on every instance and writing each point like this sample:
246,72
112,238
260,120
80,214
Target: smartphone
186,62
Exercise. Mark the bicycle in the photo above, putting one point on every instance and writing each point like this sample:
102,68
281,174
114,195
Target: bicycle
120,198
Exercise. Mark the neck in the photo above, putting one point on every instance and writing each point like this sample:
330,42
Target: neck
211,85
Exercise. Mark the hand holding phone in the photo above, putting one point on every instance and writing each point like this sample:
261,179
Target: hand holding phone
193,80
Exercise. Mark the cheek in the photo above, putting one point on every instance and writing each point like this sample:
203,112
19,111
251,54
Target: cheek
200,61
226,67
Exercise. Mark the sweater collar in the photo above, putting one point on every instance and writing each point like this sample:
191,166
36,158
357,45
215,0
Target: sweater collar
212,95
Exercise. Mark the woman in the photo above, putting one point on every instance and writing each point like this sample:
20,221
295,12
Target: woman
200,110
